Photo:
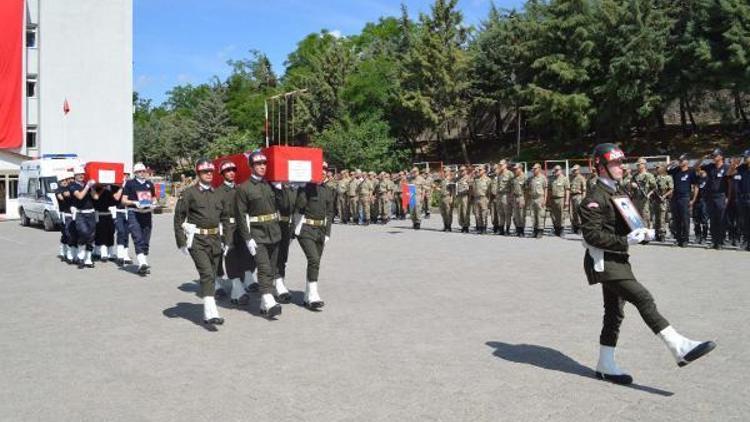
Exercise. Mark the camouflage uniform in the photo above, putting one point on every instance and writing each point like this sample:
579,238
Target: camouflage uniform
351,197
577,193
447,190
462,202
503,201
481,201
537,187
342,205
364,193
518,192
559,190
419,192
642,186
664,186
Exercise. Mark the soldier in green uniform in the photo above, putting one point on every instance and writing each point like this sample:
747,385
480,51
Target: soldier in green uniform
662,196
491,197
342,200
462,199
285,195
364,198
560,194
237,260
374,182
419,192
503,199
537,188
386,188
481,200
396,180
351,194
577,193
258,224
518,192
429,182
607,237
447,191
591,181
198,219
313,214
642,188
627,180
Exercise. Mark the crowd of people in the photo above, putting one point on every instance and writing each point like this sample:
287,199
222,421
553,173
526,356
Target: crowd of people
713,197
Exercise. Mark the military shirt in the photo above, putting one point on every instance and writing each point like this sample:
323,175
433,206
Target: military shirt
462,186
664,184
366,187
536,186
644,183
315,202
256,197
518,185
343,185
227,194
351,189
558,187
578,185
482,186
202,207
503,182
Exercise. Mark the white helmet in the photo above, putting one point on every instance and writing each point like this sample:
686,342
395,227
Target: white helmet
139,167
79,170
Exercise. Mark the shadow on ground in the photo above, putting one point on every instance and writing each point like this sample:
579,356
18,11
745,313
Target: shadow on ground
554,360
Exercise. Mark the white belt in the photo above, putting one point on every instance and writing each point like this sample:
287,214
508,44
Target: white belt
86,211
103,213
597,255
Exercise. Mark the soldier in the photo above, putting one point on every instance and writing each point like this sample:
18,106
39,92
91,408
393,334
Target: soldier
731,215
286,196
198,219
481,199
642,188
428,188
139,197
683,198
342,205
377,196
700,208
577,193
627,179
259,227
607,238
237,259
503,200
313,213
419,192
397,181
104,238
364,195
717,186
84,216
518,192
121,227
447,191
662,196
462,199
591,182
537,188
386,187
351,194
64,202
741,176
560,192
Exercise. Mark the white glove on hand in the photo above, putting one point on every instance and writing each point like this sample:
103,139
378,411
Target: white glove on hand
277,185
326,239
251,245
650,234
636,236
91,182
225,249
184,251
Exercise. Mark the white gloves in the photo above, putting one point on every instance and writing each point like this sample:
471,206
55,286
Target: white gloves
225,249
637,236
277,185
251,245
184,251
298,219
326,239
91,182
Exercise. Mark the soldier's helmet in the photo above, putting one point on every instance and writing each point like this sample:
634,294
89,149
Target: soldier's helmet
607,153
717,153
226,166
257,157
203,164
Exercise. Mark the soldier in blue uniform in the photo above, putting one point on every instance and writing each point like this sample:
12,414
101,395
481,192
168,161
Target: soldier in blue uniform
683,197
700,215
717,187
121,227
64,202
84,216
741,177
138,196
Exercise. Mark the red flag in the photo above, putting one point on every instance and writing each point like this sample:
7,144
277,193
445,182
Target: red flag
66,107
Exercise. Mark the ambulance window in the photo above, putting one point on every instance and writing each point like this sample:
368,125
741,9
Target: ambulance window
33,186
47,182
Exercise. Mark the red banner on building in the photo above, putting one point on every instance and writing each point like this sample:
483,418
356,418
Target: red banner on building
11,73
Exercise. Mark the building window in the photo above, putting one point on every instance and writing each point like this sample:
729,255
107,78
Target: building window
13,187
31,88
31,138
31,38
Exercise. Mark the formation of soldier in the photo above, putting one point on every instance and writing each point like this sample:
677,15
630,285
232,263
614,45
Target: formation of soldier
714,197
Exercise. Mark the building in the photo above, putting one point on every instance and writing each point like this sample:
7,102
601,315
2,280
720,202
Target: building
66,84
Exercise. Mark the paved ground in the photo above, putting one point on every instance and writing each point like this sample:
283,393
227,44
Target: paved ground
418,326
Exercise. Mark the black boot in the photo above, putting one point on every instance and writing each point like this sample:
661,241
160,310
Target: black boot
507,230
501,231
417,226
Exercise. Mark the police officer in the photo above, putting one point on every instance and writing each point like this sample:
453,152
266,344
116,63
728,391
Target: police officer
258,223
717,186
731,219
447,191
560,195
286,195
503,200
104,238
64,202
419,192
607,238
537,189
139,197
700,207
198,220
313,215
577,193
662,196
84,216
462,199
237,260
121,227
641,190
481,191
741,177
683,198
518,190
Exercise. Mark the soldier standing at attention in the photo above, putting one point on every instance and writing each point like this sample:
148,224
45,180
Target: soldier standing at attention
642,189
716,198
663,194
419,191
387,188
313,214
683,198
351,197
607,237
286,195
428,188
518,191
364,193
84,216
491,197
237,259
503,199
198,217
577,193
462,199
537,187
342,206
560,192
447,190
741,177
481,200
258,224
397,181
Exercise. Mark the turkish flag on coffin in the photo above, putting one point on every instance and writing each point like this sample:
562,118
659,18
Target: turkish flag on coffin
105,173
240,162
294,164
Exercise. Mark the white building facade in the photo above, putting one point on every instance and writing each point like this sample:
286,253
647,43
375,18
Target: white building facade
77,86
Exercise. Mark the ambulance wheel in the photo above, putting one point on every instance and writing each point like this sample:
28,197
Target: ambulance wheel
25,221
49,225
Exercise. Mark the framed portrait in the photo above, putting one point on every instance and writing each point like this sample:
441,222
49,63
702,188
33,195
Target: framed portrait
628,211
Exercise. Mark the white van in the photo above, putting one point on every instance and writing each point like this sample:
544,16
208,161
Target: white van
37,182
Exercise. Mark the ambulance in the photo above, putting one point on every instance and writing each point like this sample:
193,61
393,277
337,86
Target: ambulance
37,183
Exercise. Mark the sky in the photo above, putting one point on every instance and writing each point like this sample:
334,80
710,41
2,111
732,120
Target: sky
189,41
